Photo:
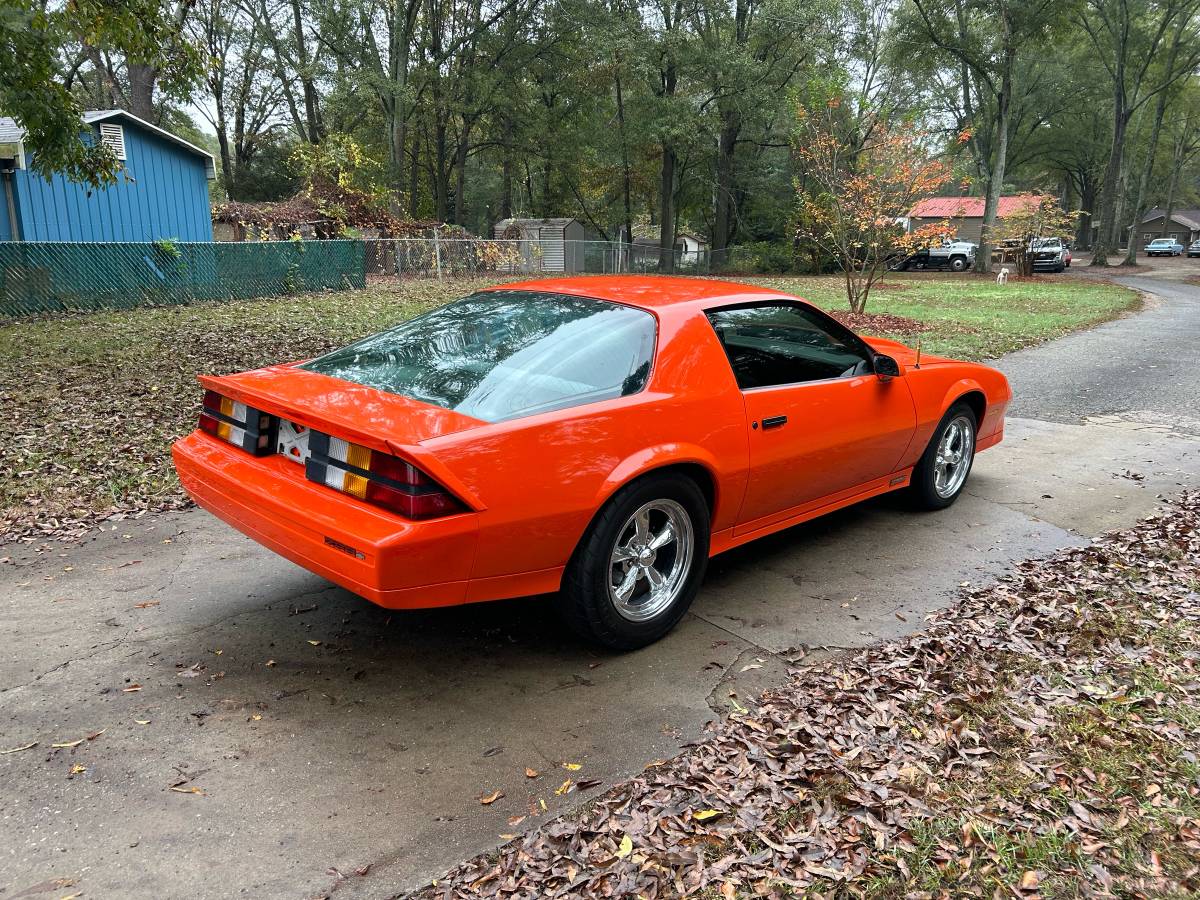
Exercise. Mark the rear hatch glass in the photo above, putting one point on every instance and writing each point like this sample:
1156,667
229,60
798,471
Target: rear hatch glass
504,354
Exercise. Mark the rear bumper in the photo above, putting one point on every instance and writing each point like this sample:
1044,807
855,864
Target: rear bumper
390,561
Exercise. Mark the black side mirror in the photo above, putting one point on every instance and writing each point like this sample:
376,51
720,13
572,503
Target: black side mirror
886,367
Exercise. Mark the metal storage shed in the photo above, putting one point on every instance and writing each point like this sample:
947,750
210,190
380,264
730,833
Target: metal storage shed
548,245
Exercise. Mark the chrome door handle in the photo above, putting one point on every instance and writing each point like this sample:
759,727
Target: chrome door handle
774,421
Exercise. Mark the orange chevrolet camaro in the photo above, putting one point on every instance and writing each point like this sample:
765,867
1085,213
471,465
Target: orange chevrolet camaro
599,437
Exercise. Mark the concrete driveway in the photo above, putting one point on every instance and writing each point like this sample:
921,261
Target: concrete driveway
246,729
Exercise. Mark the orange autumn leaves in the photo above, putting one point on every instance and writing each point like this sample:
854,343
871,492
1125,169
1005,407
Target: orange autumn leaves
855,192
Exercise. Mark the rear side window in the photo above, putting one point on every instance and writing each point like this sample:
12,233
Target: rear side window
782,343
504,354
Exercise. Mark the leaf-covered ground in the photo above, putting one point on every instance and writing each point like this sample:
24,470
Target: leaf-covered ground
1038,739
89,404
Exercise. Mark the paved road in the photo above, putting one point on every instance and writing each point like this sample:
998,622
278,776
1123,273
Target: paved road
327,735
1141,368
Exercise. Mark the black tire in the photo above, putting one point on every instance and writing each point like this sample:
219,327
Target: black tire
587,605
958,264
923,489
1061,269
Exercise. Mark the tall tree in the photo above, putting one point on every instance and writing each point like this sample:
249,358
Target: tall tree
1128,36
1183,53
751,53
244,100
42,51
984,40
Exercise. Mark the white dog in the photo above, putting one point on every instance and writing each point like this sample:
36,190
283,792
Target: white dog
1002,278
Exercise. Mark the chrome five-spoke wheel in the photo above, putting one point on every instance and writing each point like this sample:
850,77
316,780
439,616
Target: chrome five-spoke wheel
650,560
940,474
953,460
640,563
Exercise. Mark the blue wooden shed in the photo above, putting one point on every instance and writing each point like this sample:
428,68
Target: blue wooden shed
163,192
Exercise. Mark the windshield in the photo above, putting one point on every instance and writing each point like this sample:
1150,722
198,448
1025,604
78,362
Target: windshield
1162,241
502,354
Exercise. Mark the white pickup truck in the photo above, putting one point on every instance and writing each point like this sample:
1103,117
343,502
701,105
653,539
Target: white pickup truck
957,256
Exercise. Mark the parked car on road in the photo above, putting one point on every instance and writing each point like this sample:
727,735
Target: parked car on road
1164,247
598,437
1049,254
957,256
1193,249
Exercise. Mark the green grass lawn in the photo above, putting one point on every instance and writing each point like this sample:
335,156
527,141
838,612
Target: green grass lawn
970,317
89,404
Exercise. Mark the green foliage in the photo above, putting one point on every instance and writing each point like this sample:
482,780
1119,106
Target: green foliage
469,110
339,160
32,38
169,247
766,258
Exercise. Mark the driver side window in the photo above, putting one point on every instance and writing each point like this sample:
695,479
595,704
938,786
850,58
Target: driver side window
783,343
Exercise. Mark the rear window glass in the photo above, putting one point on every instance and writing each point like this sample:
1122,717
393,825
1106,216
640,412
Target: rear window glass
502,354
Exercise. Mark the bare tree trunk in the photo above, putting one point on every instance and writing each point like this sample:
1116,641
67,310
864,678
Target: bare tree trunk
226,159
666,205
1160,109
140,90
442,180
460,175
726,199
991,206
506,176
1172,185
311,99
414,177
1110,186
626,176
1118,233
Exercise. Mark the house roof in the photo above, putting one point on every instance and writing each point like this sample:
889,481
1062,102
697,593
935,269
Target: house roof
965,207
11,132
550,221
1188,217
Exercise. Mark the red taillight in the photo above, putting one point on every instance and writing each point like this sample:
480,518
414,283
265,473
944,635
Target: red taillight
378,478
428,504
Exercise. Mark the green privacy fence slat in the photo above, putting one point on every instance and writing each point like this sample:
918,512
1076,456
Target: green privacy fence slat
40,277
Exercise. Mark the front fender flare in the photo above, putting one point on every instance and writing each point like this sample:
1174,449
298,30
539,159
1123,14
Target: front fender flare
959,389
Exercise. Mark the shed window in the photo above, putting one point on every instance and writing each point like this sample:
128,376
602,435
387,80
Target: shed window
113,137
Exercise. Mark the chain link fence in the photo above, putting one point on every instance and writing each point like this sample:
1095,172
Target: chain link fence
43,277
473,257
40,277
